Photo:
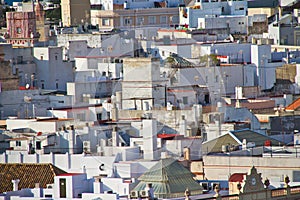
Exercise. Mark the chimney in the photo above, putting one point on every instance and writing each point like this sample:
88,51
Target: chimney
150,139
279,13
37,191
182,126
71,139
15,184
197,111
119,99
98,188
114,112
115,137
187,153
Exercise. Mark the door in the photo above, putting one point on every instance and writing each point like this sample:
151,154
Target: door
62,188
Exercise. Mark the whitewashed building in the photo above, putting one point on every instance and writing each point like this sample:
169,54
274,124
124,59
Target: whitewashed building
53,73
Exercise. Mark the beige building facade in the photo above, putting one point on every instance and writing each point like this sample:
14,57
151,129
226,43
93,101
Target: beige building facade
75,12
132,18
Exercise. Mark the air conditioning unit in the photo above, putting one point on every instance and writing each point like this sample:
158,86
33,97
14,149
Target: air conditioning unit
134,194
144,193
86,146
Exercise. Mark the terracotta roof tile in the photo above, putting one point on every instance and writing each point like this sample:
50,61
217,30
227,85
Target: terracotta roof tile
293,106
28,174
237,177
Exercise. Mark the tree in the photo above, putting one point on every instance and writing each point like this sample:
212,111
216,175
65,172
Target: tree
209,60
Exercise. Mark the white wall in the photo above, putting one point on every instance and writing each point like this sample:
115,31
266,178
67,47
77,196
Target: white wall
273,168
141,76
52,72
74,163
237,24
93,40
117,185
177,146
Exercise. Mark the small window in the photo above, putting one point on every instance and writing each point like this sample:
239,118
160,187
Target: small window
56,85
18,143
185,100
140,20
163,19
163,53
105,22
127,21
217,78
152,19
38,145
99,116
43,86
19,30
19,59
81,116
42,58
55,57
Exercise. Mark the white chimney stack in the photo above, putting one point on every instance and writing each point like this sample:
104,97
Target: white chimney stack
115,137
15,184
150,139
182,126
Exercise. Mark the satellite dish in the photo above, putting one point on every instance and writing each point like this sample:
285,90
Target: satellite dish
27,86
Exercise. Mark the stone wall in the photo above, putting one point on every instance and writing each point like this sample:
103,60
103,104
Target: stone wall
8,80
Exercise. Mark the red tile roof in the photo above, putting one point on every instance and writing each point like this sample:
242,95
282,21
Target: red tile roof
28,174
70,174
237,177
162,135
293,106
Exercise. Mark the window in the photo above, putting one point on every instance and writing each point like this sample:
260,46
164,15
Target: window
55,57
140,20
42,57
217,78
175,19
163,19
163,53
151,19
18,143
99,116
19,30
127,21
81,116
105,22
38,145
43,86
19,59
185,100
